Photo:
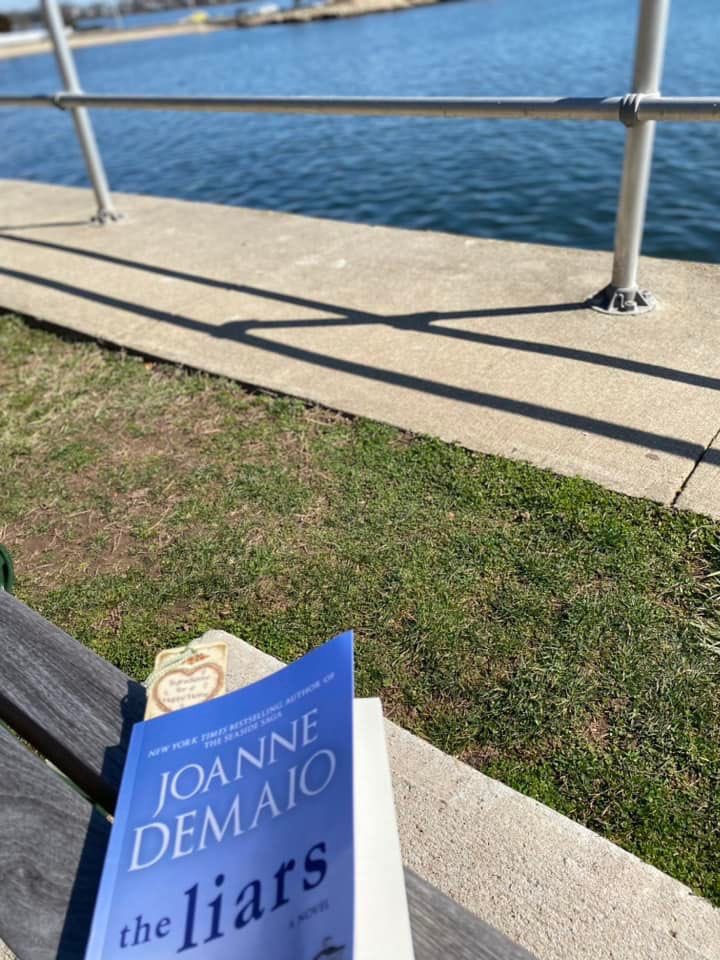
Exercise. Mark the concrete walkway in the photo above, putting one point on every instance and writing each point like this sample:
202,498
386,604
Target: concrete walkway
481,342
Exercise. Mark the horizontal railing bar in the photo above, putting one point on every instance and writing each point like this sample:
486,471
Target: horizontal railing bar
546,108
679,109
23,100
627,109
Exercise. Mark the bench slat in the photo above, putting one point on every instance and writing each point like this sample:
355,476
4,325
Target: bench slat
73,706
85,731
52,845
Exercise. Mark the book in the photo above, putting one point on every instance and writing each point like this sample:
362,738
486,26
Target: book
382,922
258,824
233,833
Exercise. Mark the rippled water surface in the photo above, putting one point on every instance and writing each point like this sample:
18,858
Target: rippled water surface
542,182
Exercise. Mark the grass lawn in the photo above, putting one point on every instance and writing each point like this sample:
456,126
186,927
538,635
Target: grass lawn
561,638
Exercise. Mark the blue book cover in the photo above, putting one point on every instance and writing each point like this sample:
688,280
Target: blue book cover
233,834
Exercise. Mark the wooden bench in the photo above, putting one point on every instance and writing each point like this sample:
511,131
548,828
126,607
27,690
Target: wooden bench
77,710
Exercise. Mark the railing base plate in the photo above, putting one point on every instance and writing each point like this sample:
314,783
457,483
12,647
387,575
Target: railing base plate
107,216
616,301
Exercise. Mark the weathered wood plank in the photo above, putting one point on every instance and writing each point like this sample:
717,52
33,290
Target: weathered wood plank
75,707
442,928
78,710
52,845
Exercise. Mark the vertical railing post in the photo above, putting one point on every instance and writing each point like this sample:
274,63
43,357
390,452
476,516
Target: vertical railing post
623,294
81,118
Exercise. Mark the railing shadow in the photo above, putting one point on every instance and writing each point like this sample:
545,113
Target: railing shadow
248,332
418,322
48,225
78,919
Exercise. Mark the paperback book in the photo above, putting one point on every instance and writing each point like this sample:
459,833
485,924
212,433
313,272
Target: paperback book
260,823
233,834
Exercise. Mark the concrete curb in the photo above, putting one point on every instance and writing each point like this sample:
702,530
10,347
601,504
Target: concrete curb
553,886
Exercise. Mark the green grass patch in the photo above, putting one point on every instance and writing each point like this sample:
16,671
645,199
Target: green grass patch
559,637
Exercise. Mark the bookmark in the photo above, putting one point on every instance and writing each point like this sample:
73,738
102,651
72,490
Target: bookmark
185,676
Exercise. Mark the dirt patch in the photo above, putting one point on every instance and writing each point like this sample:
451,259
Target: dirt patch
597,730
480,755
112,621
57,548
122,499
273,594
69,548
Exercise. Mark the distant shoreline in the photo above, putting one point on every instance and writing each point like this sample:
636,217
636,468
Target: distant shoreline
340,9
101,38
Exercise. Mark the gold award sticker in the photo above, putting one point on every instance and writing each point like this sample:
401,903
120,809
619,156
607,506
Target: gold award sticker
185,676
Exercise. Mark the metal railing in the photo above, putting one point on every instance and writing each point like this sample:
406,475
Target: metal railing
639,111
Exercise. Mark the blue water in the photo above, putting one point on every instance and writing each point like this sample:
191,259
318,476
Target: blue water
541,182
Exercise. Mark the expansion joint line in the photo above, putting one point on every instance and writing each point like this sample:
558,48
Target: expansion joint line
695,466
